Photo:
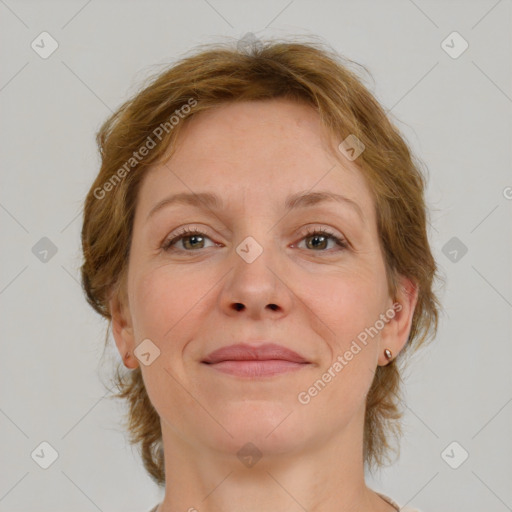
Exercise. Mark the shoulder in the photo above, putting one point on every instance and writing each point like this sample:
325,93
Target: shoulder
395,504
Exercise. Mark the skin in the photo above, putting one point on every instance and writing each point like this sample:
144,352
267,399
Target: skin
314,299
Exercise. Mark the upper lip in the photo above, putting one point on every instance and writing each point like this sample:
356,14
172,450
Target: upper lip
246,352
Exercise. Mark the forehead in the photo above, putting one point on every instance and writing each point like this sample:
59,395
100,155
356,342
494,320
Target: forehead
257,126
263,149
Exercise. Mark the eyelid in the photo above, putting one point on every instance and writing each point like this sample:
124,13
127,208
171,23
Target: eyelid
182,232
338,238
320,229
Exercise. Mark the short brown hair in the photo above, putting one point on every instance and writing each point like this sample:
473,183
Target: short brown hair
310,73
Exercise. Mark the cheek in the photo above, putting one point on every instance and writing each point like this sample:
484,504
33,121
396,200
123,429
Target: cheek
351,302
164,301
349,305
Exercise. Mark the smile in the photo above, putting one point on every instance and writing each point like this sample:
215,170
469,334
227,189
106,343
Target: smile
254,369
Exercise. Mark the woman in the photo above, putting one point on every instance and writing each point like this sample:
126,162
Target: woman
256,237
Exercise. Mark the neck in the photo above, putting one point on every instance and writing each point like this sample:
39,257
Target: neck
324,474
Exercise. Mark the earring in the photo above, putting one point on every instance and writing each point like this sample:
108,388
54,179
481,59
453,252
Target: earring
125,360
388,354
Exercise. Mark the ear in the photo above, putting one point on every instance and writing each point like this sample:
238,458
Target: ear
122,331
395,334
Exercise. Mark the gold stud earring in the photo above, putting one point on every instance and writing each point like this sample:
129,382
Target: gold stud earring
388,354
125,360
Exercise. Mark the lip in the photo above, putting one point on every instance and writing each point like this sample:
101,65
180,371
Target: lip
245,360
246,352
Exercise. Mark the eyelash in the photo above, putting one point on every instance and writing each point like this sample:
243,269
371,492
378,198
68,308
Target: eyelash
185,232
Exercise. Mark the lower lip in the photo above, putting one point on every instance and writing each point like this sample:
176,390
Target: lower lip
257,368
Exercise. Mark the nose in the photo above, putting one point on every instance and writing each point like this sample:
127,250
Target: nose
257,288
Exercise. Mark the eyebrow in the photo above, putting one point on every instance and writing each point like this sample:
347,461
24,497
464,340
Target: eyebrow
210,201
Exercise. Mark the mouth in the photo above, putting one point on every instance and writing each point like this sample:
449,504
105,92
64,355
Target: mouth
260,368
252,361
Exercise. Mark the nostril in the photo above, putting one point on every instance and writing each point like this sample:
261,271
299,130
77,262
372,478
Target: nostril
239,306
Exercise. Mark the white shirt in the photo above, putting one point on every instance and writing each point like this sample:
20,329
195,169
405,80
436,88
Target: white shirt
383,496
391,502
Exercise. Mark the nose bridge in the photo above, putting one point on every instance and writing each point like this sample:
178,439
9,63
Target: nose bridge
254,283
254,259
256,238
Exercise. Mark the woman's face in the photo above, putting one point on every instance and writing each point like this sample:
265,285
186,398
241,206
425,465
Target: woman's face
255,273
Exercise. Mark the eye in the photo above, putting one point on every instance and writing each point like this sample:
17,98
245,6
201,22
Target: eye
320,237
190,239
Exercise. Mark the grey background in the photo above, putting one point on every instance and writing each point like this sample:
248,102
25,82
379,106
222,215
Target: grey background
455,113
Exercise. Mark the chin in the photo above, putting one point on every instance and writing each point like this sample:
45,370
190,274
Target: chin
271,426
